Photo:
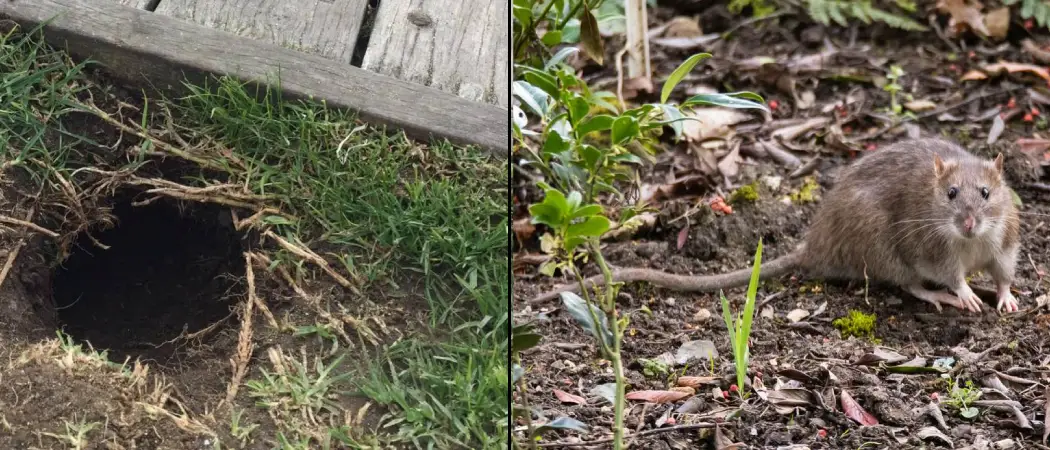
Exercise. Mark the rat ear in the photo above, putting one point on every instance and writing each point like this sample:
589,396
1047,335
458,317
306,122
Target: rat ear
938,165
999,163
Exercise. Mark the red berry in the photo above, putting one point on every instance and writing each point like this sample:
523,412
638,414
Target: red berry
1027,117
1012,103
670,421
934,396
972,54
1035,111
822,433
871,146
733,388
725,395
773,104
953,67
1028,24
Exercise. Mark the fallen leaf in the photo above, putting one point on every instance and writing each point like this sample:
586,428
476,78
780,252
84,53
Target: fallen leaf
928,433
1012,67
797,315
566,397
997,22
656,396
696,350
880,355
974,75
920,105
682,26
854,411
683,234
998,126
694,382
964,15
798,375
685,389
729,166
790,133
523,229
708,123
691,406
786,400
1037,53
605,391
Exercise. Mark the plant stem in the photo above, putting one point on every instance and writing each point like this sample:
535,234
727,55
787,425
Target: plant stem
614,356
531,30
523,392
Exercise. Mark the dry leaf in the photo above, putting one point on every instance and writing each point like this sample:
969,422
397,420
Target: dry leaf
854,411
920,105
1037,53
711,123
682,26
790,133
974,75
964,15
797,315
1012,67
729,166
997,23
998,126
656,396
695,382
683,234
566,397
523,229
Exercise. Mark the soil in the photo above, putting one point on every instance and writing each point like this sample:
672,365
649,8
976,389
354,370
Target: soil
810,354
163,301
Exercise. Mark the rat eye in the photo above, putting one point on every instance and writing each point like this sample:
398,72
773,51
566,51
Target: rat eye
985,193
952,192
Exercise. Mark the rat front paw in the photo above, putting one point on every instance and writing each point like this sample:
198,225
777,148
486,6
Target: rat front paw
1007,301
969,300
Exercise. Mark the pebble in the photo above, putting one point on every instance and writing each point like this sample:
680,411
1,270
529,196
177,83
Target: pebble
669,301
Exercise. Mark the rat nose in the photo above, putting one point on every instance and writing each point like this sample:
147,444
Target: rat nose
968,223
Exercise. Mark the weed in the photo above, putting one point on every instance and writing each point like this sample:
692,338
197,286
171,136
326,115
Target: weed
740,327
857,324
962,398
807,193
652,368
75,434
747,193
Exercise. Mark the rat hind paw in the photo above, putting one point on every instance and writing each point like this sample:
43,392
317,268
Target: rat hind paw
936,298
1007,302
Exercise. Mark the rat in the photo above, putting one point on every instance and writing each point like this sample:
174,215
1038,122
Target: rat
917,211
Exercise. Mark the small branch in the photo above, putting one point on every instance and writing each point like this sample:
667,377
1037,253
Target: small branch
694,426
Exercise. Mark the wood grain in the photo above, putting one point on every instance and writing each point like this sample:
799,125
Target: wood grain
456,46
325,27
140,4
159,51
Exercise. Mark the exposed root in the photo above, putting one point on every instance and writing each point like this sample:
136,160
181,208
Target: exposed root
245,346
309,255
28,224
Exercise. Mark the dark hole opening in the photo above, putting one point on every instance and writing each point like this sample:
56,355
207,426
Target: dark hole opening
171,267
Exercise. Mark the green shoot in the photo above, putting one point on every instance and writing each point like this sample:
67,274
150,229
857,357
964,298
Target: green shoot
740,327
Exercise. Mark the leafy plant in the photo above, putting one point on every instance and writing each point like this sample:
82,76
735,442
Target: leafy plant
842,11
1039,10
759,8
585,146
740,327
962,397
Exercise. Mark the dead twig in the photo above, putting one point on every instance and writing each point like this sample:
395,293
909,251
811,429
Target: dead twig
694,426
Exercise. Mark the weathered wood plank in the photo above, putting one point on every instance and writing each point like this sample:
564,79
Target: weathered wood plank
161,51
456,46
140,4
326,27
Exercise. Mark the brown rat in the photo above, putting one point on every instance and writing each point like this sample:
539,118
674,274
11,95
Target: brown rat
922,210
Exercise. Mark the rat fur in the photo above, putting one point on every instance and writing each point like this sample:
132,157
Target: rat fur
920,210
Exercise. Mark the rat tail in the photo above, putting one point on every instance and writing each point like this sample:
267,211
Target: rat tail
684,283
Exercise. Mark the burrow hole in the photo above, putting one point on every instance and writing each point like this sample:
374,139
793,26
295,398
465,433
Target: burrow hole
172,267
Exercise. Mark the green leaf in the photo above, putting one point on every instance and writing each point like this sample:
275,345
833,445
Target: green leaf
600,122
579,308
591,156
578,109
680,73
969,412
589,210
522,12
551,38
534,97
570,34
624,129
552,211
277,220
555,144
594,226
728,316
560,56
561,423
573,202
524,341
740,100
674,119
752,291
544,81
915,369
590,36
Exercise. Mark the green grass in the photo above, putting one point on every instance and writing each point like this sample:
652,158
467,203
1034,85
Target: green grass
443,217
386,207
